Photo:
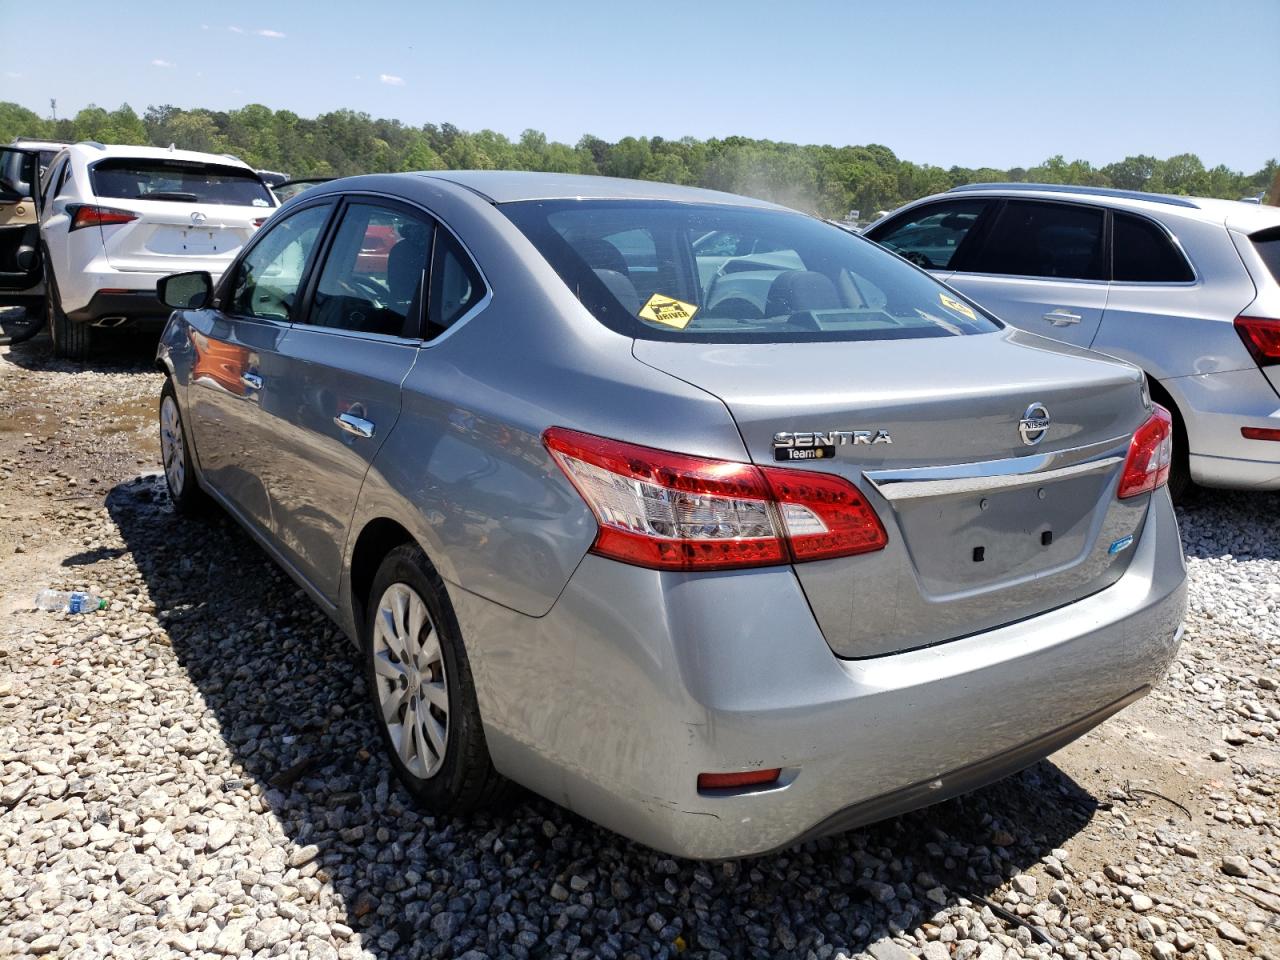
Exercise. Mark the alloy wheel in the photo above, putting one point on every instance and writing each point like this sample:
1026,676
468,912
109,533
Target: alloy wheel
413,690
172,452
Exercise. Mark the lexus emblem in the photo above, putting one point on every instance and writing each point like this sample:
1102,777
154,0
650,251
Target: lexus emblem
1034,424
198,217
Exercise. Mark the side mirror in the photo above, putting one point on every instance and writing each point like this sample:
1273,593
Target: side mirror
186,291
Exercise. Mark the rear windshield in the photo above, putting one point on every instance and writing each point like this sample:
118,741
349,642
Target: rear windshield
181,181
1267,243
662,270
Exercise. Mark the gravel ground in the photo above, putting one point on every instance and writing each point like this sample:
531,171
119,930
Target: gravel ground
193,772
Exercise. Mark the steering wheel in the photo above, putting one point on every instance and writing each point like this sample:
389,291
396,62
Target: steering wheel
369,289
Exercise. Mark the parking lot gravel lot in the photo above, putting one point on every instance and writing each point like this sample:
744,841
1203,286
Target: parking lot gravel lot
192,772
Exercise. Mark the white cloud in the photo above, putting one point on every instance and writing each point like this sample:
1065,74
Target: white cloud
357,77
204,26
161,63
12,75
272,34
236,29
391,81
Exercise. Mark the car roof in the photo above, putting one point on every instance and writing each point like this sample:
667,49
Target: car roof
510,186
1246,217
91,151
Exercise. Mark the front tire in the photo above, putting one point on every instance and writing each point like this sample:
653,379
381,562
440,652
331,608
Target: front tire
175,455
421,690
71,340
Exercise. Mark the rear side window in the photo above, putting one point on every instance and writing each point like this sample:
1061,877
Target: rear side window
372,277
1059,241
456,286
179,181
1267,243
661,270
1144,253
931,235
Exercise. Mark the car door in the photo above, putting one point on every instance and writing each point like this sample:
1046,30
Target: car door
342,366
238,382
20,265
1040,265
934,235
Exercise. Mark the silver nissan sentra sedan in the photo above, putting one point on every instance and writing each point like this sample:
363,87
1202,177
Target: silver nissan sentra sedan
706,519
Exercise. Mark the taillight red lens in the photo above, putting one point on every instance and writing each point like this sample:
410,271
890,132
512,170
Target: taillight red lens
88,215
1262,336
670,511
1150,456
259,221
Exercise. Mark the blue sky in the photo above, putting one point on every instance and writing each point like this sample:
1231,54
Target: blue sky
982,83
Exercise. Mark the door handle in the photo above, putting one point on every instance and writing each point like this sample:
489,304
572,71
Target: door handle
1062,317
356,426
251,380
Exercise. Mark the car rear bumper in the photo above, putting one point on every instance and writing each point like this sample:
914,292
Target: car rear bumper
637,681
134,308
1214,407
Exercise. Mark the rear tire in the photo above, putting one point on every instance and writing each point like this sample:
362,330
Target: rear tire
421,690
70,339
23,328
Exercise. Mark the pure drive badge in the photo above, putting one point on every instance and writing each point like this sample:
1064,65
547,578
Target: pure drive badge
822,446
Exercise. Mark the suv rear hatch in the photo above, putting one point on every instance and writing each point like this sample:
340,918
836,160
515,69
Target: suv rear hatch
984,527
189,215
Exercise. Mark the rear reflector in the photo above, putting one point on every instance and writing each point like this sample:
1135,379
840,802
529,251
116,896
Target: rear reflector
88,215
729,781
1262,337
1259,433
1150,456
670,511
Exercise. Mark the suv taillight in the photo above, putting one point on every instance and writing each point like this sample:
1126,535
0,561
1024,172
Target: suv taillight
1262,337
88,215
1150,456
670,511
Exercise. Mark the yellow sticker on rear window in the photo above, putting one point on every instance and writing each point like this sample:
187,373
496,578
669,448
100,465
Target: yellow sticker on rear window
668,310
951,303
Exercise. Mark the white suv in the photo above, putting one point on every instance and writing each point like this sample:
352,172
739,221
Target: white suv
114,220
1186,288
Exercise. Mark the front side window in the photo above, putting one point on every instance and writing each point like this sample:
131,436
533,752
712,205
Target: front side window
1060,241
660,270
931,235
372,279
266,281
179,181
1143,253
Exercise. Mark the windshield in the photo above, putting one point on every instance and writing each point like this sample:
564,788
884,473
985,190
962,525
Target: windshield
182,181
661,270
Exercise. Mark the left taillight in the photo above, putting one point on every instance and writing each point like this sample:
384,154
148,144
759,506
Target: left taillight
1150,456
672,511
91,215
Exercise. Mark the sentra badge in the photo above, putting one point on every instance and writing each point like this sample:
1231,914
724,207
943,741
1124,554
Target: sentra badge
822,445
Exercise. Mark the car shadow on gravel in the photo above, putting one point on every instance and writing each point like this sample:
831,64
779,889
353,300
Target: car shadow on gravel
113,351
1220,524
284,687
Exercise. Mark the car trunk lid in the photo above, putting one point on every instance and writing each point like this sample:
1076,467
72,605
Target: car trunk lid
985,527
171,237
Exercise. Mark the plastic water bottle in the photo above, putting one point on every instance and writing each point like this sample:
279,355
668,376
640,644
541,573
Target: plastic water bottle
69,601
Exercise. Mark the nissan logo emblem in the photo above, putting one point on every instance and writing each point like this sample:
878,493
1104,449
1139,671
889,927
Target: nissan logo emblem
1034,424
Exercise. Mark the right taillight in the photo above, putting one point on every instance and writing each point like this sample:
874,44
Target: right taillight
1150,456
90,215
1261,335
672,511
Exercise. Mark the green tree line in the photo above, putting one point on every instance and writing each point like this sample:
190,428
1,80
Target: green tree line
826,180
